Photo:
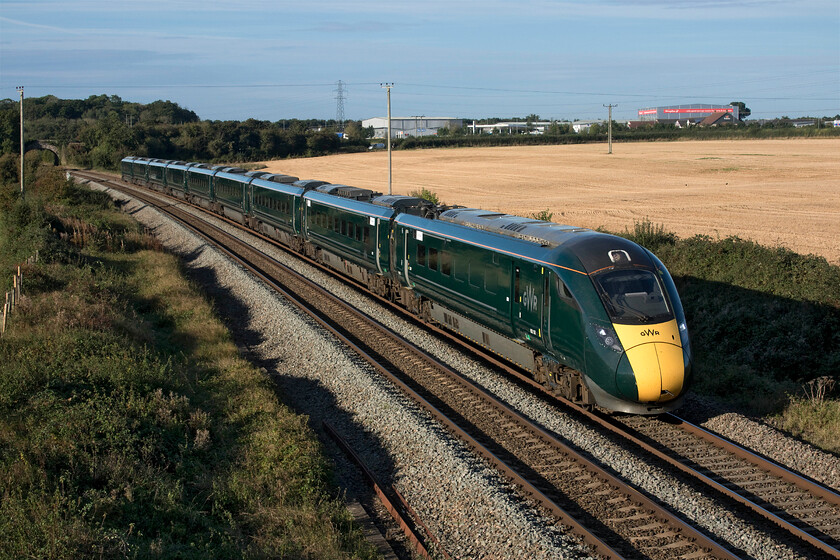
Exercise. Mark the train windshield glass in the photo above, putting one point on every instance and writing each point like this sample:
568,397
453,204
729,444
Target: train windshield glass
633,296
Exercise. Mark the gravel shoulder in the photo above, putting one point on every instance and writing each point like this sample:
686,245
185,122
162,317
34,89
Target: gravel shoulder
473,511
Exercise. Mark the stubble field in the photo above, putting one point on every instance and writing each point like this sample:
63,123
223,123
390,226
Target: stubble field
774,192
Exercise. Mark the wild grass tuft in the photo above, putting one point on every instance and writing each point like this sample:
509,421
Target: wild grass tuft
543,215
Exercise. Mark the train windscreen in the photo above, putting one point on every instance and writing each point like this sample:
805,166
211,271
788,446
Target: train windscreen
633,296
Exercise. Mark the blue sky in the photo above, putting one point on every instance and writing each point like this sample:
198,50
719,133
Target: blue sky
458,58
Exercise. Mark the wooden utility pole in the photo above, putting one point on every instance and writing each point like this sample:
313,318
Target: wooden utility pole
388,86
609,127
20,89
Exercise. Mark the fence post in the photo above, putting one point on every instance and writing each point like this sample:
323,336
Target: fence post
5,312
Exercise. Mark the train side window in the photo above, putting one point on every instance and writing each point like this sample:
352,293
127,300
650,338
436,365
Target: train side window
476,278
366,235
445,263
565,294
421,255
488,283
359,233
343,227
433,258
563,290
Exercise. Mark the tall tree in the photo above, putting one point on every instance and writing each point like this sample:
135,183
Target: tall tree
743,110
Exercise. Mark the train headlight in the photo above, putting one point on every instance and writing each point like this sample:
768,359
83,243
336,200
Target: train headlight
607,337
683,334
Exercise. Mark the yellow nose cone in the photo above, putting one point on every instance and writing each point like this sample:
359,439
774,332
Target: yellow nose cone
656,356
659,370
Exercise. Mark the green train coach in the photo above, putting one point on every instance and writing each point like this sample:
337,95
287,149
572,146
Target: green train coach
593,316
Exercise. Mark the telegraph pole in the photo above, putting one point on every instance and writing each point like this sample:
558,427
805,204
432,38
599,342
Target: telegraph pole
20,89
609,126
388,86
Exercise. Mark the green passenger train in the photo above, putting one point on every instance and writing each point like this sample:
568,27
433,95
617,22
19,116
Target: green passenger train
593,316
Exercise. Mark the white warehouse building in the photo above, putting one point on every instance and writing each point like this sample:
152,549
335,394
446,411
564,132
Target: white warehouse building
402,127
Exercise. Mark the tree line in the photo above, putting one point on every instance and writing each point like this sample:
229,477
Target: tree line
101,130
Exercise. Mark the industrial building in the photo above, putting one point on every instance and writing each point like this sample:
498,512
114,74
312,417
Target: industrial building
695,113
403,127
519,127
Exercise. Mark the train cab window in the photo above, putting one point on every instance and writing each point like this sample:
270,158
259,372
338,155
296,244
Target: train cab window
445,263
421,255
433,258
632,296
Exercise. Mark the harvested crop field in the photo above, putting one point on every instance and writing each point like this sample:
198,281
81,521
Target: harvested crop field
774,192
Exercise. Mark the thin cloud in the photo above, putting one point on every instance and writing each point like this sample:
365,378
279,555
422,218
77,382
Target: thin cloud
40,26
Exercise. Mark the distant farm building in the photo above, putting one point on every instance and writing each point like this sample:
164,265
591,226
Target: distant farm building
403,127
698,113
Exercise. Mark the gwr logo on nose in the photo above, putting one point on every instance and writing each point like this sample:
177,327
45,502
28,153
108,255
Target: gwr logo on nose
649,332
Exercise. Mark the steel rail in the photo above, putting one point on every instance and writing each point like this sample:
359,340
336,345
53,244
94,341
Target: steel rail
766,465
529,489
395,505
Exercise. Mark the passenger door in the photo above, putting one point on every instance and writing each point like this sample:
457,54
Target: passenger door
527,301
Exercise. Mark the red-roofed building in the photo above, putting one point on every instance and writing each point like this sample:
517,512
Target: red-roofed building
717,119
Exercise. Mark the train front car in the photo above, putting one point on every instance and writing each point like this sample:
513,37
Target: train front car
637,352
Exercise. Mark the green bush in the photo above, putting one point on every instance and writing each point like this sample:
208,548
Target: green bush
426,194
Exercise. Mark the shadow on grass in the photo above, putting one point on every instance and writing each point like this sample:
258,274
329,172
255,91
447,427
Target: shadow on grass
755,349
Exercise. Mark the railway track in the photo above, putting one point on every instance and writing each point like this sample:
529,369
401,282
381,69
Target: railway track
609,515
809,512
804,509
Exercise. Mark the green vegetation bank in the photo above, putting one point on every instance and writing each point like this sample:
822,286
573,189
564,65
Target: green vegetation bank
764,325
129,425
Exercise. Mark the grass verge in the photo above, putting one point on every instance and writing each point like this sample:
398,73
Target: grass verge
129,425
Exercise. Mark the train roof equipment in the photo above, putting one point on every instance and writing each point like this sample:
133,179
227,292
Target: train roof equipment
281,178
346,191
309,184
547,234
404,204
